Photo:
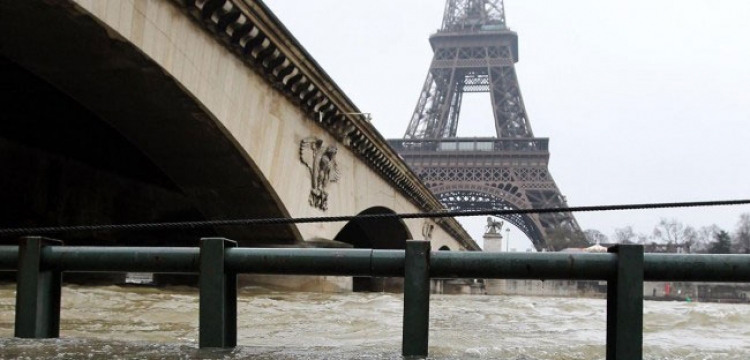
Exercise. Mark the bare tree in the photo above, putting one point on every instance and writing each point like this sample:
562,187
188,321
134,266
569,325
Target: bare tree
643,239
594,236
625,235
741,241
669,231
674,236
689,238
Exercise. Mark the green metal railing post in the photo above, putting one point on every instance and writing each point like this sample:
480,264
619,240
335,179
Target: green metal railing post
38,292
416,298
625,305
218,296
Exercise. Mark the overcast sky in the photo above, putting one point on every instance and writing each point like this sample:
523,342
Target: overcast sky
643,100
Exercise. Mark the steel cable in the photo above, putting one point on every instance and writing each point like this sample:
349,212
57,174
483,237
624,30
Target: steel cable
286,221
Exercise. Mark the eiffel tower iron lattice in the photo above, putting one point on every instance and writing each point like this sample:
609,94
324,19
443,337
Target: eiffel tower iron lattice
475,51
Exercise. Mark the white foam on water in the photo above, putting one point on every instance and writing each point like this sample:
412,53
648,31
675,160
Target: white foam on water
157,323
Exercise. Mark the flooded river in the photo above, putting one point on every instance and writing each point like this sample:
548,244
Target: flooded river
162,323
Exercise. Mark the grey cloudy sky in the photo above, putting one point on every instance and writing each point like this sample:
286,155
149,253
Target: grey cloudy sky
643,100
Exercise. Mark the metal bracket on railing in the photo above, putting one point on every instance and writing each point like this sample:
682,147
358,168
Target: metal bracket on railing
218,296
416,298
625,305
38,292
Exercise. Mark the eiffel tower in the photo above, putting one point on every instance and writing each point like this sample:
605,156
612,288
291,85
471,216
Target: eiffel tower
475,51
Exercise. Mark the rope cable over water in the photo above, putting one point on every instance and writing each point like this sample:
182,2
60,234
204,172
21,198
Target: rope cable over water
304,220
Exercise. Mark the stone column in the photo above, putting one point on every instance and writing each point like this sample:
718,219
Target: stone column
493,242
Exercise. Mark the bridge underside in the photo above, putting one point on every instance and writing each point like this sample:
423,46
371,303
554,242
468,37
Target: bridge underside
94,132
386,233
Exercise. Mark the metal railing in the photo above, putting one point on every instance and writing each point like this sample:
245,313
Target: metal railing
40,263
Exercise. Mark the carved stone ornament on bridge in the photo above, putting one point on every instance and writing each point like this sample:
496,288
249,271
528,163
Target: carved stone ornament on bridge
321,161
427,227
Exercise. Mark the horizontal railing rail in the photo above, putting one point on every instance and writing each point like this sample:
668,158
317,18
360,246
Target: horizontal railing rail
387,263
40,263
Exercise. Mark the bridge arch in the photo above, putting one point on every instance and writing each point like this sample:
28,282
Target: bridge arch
151,146
493,198
386,233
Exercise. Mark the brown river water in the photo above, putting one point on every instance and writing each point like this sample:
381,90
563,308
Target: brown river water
162,323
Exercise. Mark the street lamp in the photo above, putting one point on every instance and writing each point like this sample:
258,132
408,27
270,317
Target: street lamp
507,239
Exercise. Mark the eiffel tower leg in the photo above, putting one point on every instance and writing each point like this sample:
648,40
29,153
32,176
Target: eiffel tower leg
559,229
417,125
436,113
511,120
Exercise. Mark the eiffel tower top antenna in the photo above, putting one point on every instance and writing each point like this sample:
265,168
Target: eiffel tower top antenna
473,15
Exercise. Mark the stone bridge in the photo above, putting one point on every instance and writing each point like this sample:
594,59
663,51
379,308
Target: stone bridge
152,111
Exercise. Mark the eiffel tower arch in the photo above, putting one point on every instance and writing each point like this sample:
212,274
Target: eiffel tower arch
475,51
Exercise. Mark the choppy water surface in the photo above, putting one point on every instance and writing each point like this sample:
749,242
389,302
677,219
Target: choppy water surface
151,323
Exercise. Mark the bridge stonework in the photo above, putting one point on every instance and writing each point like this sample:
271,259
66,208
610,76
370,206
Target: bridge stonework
243,75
